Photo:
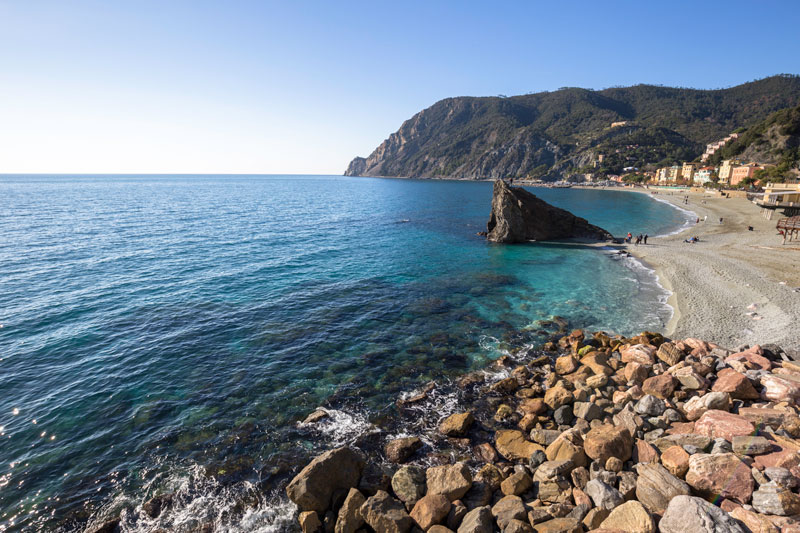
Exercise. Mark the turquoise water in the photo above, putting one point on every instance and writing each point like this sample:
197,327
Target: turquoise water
169,331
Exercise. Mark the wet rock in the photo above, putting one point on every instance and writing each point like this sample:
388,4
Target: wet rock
457,425
775,500
108,526
720,424
689,513
453,481
383,513
334,470
401,450
630,517
315,416
608,441
374,477
507,509
154,506
408,484
350,519
750,445
656,487
602,495
512,445
479,520
430,510
720,476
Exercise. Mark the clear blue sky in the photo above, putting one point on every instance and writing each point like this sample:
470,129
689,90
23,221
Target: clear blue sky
302,87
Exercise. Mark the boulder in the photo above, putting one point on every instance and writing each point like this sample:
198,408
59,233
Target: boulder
669,353
452,481
566,364
568,446
309,522
603,495
557,396
649,405
519,216
430,510
656,487
518,526
608,441
559,525
631,517
661,386
720,476
756,523
721,424
676,460
750,445
512,445
507,509
516,484
689,379
456,425
401,450
383,513
772,499
478,520
334,470
689,513
696,406
778,389
644,354
408,484
735,384
350,519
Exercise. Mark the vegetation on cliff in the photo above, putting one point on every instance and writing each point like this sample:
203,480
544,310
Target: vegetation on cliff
555,134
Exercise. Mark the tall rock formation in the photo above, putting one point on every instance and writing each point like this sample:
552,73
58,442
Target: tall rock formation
519,216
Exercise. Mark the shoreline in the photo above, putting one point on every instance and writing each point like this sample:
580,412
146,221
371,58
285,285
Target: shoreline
734,286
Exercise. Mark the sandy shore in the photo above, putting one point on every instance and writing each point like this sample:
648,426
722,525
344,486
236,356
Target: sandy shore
734,286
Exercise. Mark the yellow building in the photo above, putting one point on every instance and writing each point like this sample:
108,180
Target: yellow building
785,196
687,171
673,173
726,169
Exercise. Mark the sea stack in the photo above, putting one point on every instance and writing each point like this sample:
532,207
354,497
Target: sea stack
519,216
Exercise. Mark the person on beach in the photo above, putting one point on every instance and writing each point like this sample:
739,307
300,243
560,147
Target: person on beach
645,238
720,220
629,237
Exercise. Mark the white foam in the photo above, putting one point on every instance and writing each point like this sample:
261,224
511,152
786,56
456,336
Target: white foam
688,215
340,428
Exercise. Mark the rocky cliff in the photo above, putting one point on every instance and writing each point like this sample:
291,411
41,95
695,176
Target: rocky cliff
519,216
553,135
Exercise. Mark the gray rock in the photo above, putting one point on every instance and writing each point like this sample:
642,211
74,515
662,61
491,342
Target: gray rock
650,405
602,495
721,446
689,513
691,449
579,512
519,216
383,513
656,487
781,476
538,457
544,437
518,526
550,470
479,520
408,484
672,415
563,415
587,410
770,498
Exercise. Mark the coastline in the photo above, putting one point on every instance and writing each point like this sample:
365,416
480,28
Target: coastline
734,286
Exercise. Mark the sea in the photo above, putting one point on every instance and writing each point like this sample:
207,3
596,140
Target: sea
168,333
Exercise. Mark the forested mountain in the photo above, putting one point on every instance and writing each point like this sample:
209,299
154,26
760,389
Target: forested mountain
551,135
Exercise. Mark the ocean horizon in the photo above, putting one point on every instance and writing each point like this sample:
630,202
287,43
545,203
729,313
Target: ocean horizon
166,333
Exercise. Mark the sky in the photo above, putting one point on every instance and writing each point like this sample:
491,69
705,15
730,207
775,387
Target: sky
302,87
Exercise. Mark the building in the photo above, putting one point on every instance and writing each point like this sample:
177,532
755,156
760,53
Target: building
673,173
713,147
703,175
661,175
618,124
743,172
726,168
687,171
784,196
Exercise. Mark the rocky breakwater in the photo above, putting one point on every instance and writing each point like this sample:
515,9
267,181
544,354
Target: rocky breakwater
519,216
609,434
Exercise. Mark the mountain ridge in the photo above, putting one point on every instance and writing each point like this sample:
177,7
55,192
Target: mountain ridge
559,133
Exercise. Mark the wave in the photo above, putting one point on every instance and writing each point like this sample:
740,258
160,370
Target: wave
689,217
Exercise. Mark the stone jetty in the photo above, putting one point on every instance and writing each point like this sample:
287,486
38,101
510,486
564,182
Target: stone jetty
598,433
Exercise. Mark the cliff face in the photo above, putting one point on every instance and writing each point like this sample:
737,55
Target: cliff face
519,216
554,134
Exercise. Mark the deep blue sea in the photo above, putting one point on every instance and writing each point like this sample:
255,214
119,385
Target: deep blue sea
168,332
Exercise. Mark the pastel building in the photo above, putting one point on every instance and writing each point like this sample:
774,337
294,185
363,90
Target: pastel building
703,175
687,171
743,172
726,168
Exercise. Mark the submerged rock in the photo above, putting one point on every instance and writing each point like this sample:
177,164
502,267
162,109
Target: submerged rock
519,216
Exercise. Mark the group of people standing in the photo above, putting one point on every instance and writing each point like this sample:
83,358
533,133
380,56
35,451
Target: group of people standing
640,239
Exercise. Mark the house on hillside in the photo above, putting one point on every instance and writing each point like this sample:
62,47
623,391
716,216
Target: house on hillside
726,168
743,172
